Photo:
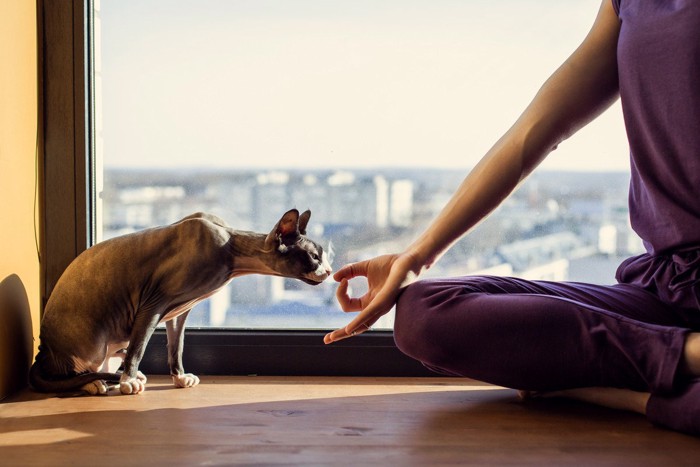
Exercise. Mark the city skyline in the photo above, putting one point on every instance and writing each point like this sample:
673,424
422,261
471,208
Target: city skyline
334,84
559,226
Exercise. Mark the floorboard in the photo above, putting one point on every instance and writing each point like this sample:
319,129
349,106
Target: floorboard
329,421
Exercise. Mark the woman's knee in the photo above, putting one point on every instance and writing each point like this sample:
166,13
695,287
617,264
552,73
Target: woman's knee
438,319
415,317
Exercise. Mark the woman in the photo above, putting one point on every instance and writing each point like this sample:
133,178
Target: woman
634,345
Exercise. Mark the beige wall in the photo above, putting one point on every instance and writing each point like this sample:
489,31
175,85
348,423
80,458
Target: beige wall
19,264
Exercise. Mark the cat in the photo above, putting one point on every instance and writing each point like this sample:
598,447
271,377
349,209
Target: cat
113,295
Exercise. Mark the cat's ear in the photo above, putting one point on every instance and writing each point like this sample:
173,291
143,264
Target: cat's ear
303,221
288,224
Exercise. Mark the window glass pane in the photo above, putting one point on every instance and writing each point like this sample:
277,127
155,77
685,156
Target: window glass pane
367,112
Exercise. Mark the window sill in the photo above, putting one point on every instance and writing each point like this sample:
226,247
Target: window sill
283,353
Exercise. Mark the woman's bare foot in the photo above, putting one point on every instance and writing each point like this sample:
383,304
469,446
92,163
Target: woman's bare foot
690,364
614,398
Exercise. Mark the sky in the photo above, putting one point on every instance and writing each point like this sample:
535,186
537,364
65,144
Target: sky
334,83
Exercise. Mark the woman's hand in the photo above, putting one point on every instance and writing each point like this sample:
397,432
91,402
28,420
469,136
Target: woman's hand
386,275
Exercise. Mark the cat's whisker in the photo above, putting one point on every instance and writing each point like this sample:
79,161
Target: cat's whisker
331,252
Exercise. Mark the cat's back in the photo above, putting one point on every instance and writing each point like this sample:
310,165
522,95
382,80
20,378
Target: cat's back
115,269
192,236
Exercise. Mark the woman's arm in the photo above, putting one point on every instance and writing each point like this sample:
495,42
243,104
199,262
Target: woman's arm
581,89
577,92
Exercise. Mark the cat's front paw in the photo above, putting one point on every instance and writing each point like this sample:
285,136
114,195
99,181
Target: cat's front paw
185,381
134,385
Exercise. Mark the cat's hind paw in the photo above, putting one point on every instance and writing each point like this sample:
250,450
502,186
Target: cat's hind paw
99,387
187,380
132,385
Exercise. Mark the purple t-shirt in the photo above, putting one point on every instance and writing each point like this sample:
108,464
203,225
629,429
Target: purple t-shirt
659,71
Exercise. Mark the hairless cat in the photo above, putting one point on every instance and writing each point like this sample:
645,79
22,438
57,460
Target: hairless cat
112,296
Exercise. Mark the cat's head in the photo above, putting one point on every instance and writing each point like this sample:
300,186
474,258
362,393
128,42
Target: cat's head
295,254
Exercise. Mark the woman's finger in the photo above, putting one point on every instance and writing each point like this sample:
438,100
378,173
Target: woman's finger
347,303
335,336
350,271
362,323
367,318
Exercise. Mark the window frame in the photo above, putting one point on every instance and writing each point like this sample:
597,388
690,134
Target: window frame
67,152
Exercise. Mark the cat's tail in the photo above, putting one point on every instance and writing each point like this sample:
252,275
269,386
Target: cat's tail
41,382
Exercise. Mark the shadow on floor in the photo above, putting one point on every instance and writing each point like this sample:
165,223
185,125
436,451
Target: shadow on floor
475,426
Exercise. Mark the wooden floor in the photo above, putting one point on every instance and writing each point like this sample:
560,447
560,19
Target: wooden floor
328,421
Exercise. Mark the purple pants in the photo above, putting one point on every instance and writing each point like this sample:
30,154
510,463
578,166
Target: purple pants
538,335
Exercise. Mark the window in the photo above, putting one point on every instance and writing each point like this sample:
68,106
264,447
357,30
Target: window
367,112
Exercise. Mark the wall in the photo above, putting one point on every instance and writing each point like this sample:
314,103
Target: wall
19,264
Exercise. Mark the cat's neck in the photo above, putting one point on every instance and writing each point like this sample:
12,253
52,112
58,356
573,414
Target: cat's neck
249,253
